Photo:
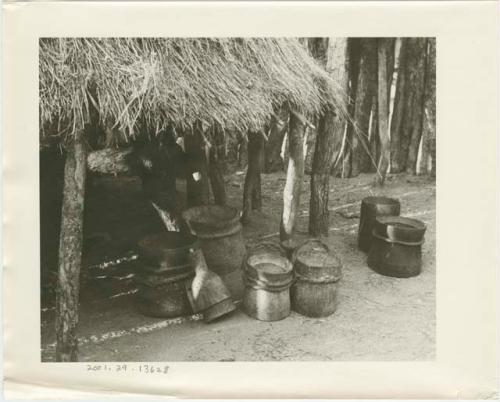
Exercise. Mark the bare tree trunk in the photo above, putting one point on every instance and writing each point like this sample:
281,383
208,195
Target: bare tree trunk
310,146
259,162
330,132
383,111
398,159
70,251
294,176
328,143
216,167
423,162
406,128
417,87
242,151
272,158
366,89
430,103
252,198
351,163
217,178
391,46
429,124
198,190
374,137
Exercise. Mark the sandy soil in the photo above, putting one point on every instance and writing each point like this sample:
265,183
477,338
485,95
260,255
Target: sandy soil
378,318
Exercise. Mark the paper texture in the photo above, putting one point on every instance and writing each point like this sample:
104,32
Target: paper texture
467,199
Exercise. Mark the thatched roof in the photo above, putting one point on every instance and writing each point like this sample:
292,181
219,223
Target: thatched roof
233,82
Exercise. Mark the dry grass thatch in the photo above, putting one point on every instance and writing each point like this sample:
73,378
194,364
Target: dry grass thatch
233,82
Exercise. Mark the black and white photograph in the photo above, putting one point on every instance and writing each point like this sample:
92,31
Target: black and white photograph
237,199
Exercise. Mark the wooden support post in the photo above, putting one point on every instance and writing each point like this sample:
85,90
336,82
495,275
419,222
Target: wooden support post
294,175
252,199
70,251
216,167
272,158
329,139
198,187
217,179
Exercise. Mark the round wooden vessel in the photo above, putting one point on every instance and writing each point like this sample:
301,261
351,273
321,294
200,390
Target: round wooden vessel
218,229
371,208
317,273
162,271
268,277
396,249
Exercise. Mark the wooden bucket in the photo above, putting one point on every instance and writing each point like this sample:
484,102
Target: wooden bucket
218,229
371,207
207,293
317,272
396,249
268,277
163,269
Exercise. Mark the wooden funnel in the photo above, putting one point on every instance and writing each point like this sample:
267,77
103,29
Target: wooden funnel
207,293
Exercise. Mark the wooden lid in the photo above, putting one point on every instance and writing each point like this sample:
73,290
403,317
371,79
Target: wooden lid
380,206
316,262
209,220
171,248
379,200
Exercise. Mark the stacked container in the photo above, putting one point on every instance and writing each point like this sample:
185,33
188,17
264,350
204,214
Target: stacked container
268,277
174,279
165,267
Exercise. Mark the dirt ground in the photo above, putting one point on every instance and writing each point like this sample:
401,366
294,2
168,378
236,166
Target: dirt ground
378,318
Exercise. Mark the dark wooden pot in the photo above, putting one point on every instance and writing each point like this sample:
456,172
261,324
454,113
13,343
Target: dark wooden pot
268,277
163,267
371,208
218,229
167,301
317,273
397,247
